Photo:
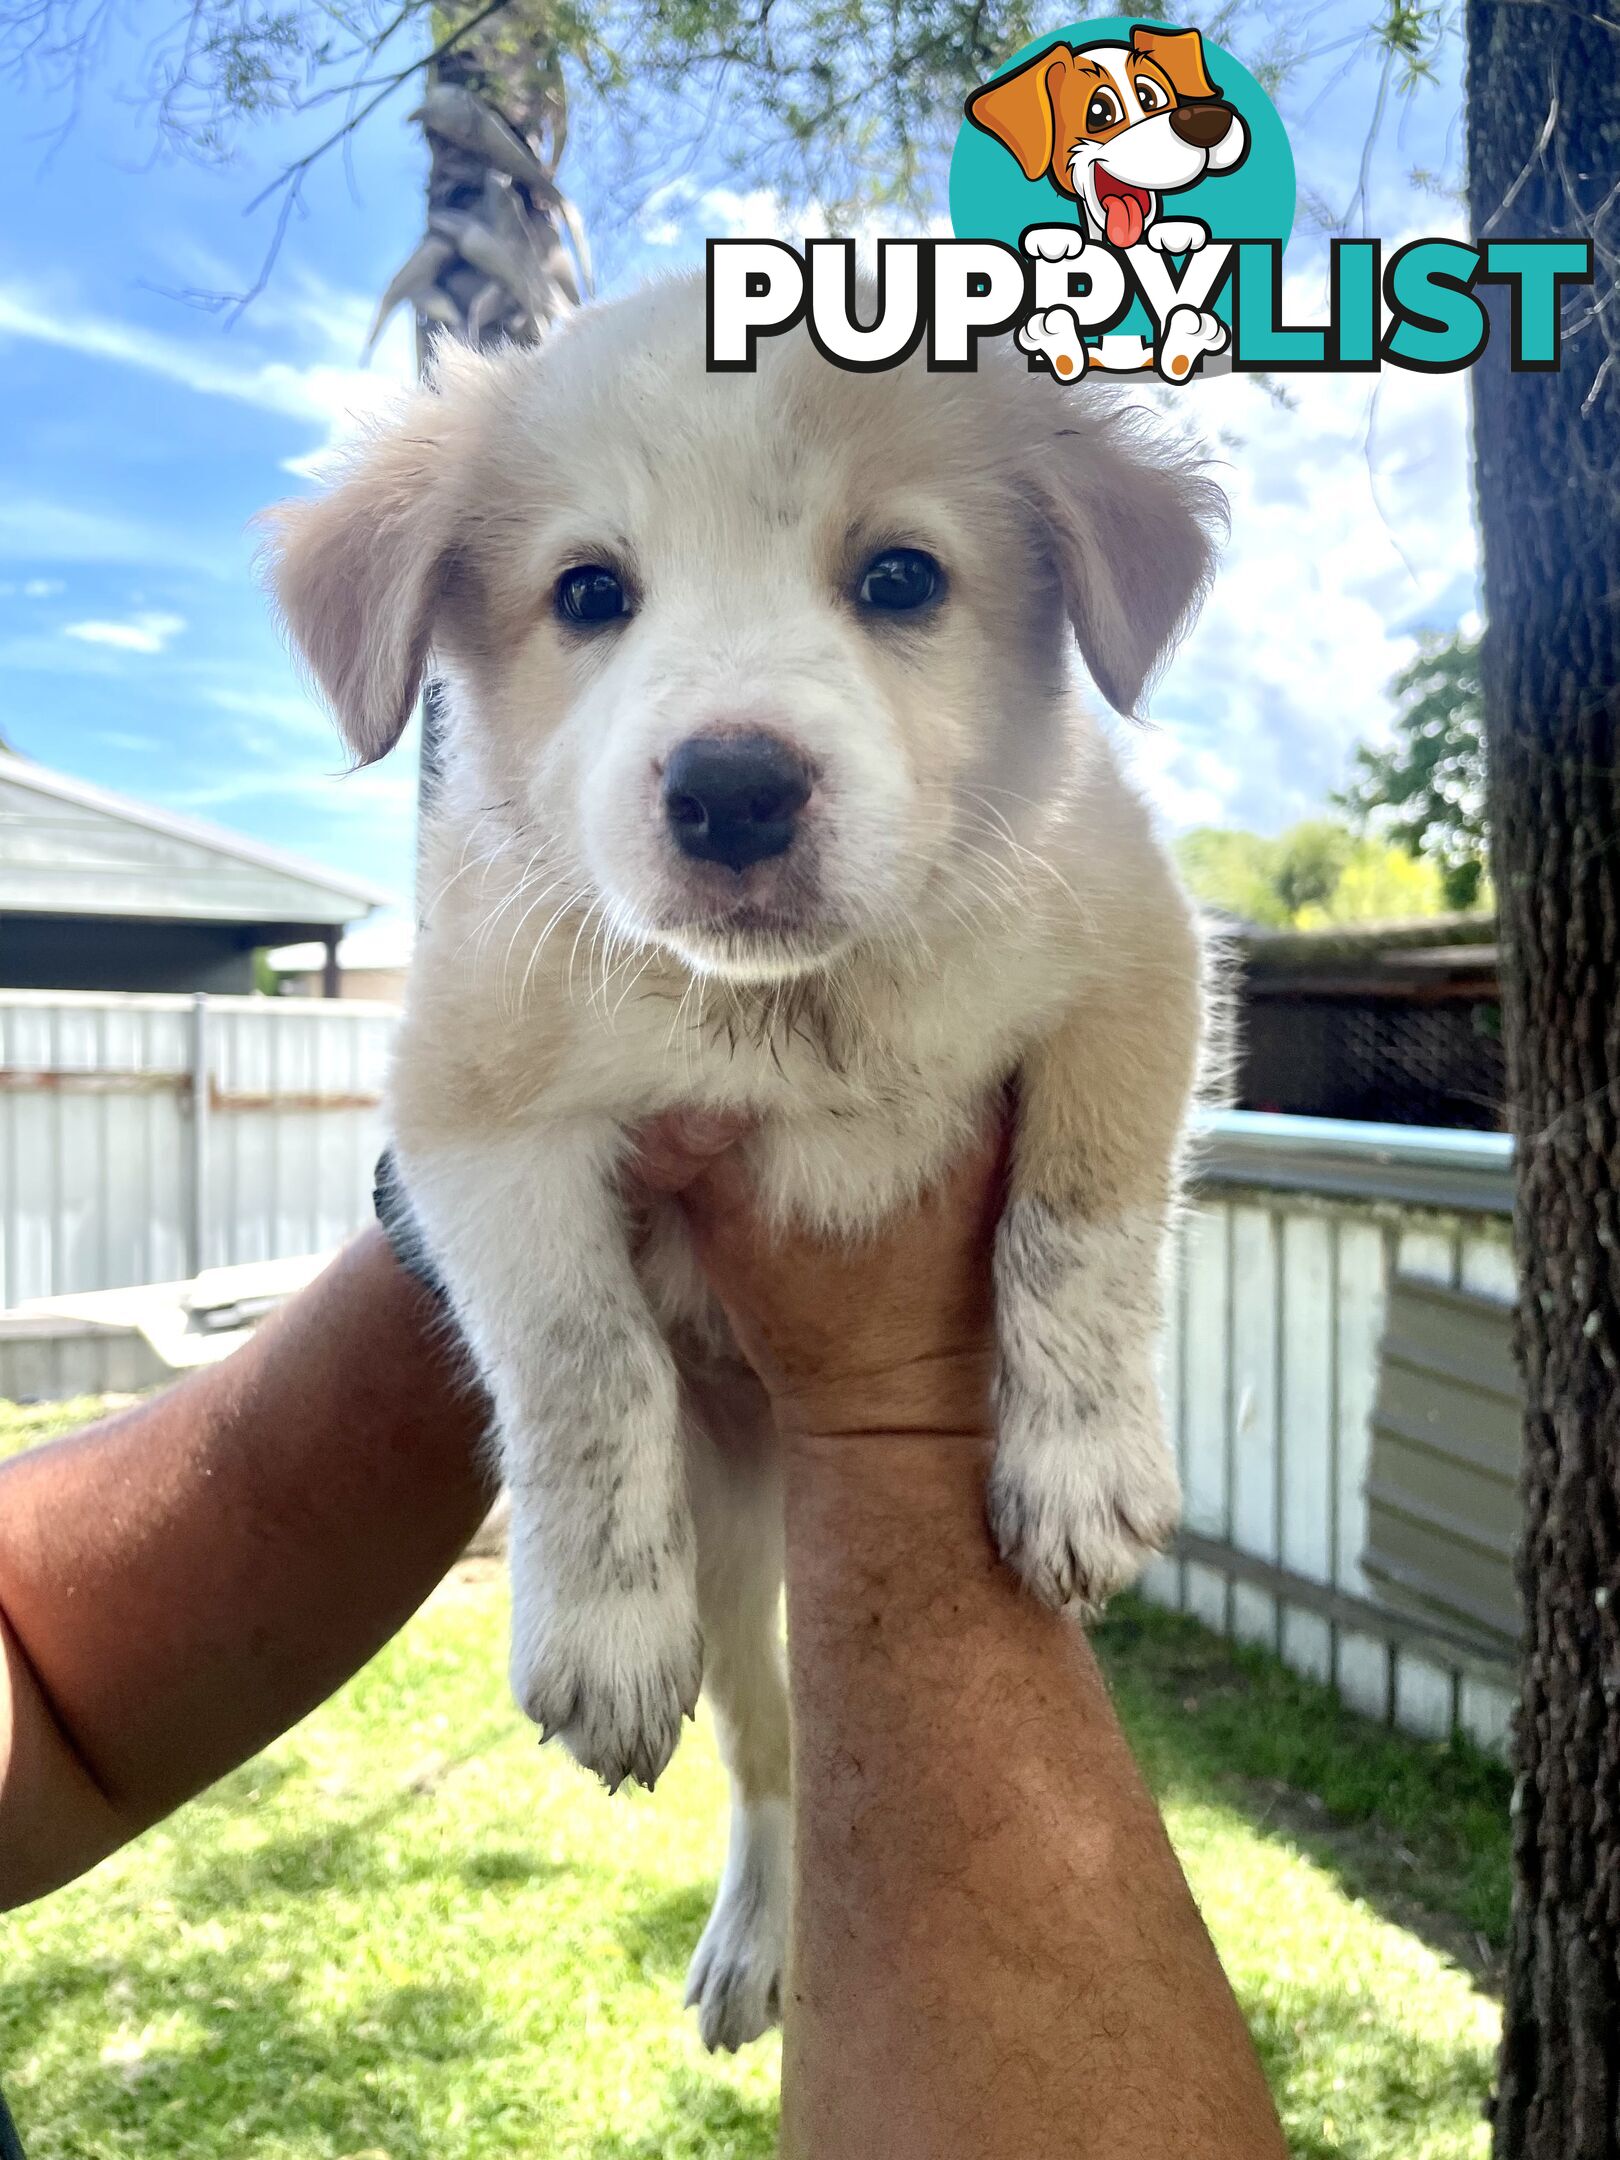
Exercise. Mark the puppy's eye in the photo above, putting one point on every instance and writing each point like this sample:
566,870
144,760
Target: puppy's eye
1103,110
591,593
1148,94
899,580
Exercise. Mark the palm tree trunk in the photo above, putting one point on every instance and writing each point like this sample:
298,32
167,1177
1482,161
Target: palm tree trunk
503,253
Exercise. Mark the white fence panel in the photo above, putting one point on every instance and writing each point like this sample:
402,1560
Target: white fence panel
1281,1277
143,1138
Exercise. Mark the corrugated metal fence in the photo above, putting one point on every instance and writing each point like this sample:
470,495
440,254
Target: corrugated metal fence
143,1139
1271,1367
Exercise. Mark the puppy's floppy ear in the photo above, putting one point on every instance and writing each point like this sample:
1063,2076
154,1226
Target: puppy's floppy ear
1017,109
1181,54
1134,527
357,573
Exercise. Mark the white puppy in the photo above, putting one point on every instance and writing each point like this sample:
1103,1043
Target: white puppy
767,788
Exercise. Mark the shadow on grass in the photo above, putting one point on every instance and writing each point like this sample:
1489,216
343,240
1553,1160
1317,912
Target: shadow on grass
1417,1829
660,1935
342,1854
701,2120
343,1857
257,2067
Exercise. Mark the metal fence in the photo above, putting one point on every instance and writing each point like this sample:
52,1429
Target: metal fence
145,1138
1271,1365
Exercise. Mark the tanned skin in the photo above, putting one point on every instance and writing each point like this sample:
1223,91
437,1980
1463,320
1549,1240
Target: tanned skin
994,1951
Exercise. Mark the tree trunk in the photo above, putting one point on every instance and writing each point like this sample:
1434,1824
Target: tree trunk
1547,450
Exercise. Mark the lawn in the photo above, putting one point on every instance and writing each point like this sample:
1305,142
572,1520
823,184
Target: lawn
406,1933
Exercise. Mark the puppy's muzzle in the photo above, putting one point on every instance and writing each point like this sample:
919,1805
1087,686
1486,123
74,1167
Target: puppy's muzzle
1203,126
734,799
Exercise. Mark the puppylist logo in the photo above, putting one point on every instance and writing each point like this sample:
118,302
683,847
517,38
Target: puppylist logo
1121,195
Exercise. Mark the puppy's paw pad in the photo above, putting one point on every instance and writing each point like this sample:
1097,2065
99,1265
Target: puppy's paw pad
1076,1532
1189,335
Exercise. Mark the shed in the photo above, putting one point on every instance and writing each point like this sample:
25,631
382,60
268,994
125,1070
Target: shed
98,892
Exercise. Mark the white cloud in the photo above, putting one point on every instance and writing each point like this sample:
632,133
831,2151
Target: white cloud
144,633
335,396
369,790
1352,530
682,215
35,528
280,712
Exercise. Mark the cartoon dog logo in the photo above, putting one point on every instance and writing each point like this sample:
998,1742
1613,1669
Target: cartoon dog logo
1116,128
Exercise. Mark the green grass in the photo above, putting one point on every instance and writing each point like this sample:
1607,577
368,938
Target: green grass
405,1933
23,1424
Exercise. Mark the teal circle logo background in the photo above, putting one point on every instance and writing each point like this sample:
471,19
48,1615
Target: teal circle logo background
991,200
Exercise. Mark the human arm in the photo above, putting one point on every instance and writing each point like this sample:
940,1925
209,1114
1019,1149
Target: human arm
994,1952
182,1582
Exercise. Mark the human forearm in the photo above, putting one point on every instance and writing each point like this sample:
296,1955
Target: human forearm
992,1936
185,1581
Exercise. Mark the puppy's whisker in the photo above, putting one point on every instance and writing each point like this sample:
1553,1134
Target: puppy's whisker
522,885
533,908
651,954
560,914
585,922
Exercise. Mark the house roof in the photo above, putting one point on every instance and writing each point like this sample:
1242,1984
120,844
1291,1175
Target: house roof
69,848
383,944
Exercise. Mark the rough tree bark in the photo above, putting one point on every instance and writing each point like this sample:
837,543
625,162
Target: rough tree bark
503,253
1543,112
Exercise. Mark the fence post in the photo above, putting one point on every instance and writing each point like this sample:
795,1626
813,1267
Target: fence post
201,1087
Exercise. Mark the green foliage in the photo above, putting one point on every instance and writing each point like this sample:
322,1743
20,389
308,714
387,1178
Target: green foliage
407,1932
1377,884
1315,873
1426,790
1228,868
1311,860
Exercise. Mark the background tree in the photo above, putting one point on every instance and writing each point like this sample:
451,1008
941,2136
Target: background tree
1312,858
1543,125
1315,873
1426,788
1233,870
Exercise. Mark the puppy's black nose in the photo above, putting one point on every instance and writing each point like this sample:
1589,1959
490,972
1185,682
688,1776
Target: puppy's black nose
734,799
1203,126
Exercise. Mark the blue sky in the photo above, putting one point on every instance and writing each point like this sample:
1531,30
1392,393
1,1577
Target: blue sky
144,433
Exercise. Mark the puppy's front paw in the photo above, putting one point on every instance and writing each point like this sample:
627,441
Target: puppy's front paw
1083,1490
611,1677
1079,1515
735,1980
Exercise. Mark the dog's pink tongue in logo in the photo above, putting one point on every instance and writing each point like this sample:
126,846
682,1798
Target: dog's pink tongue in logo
1124,209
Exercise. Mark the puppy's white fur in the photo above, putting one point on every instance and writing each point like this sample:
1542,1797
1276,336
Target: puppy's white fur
973,890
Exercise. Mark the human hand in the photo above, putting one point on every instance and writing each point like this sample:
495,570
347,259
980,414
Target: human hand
889,1335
